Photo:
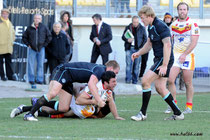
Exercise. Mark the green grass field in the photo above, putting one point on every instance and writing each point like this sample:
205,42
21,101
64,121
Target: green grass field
154,128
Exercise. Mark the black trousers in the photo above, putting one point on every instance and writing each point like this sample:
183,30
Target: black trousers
144,59
53,63
95,55
8,63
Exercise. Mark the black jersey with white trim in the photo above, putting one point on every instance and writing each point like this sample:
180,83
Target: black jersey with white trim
158,31
81,71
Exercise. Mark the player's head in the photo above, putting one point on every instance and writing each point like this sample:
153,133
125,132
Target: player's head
182,9
109,80
112,65
146,14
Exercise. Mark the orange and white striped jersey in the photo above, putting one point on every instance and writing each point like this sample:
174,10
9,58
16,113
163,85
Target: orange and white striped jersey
182,32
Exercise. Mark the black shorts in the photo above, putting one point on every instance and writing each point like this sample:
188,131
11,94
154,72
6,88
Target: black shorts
106,110
63,76
158,62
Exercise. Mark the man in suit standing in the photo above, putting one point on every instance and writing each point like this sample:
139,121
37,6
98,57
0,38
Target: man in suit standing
101,35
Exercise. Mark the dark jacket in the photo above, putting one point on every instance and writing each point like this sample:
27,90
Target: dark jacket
58,47
37,38
105,36
141,37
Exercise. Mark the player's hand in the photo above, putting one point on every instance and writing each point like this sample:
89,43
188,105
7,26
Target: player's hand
109,96
94,102
182,58
130,40
119,118
134,56
162,70
101,103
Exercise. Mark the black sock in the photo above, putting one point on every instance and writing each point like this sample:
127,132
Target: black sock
27,108
145,100
43,114
170,100
41,102
51,104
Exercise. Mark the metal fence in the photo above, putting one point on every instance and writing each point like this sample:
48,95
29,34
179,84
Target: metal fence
126,8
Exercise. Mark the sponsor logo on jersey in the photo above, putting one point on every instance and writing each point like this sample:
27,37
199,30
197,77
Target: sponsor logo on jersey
186,64
181,30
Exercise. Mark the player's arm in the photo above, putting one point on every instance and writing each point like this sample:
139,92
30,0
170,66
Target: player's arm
166,55
145,49
113,108
94,90
190,48
84,99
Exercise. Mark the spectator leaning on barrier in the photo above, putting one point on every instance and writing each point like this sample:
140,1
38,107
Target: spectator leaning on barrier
132,45
58,48
101,35
66,21
7,36
37,36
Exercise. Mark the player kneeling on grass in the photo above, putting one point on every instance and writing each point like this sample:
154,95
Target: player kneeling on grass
88,106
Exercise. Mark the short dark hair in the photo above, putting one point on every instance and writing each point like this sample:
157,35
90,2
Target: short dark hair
107,76
135,17
97,16
183,3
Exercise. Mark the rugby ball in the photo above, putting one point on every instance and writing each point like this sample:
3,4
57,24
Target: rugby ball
103,95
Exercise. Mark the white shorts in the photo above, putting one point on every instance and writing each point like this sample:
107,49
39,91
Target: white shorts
189,63
82,111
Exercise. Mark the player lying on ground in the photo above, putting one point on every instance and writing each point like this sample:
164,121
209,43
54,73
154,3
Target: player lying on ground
88,109
62,81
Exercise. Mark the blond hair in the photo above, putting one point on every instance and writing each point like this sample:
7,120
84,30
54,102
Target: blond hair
113,64
147,11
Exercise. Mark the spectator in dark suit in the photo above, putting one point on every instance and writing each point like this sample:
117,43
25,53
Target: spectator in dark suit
58,48
101,35
132,45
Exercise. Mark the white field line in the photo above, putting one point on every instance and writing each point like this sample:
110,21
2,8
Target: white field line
50,137
160,111
125,110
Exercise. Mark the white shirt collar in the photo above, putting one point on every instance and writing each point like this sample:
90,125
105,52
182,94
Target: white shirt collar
99,26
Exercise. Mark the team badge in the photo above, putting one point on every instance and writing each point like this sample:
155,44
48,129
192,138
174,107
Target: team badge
196,31
63,80
152,37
